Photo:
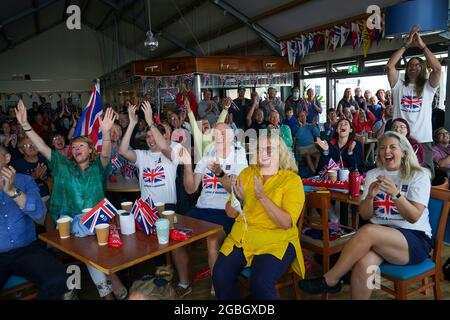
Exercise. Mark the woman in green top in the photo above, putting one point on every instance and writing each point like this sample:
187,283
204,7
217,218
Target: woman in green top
285,131
78,181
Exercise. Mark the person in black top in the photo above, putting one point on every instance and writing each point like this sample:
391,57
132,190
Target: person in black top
437,115
33,164
241,108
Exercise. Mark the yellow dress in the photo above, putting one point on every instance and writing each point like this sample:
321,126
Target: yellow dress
262,235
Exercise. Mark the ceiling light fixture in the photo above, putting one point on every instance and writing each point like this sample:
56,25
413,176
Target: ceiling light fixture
151,41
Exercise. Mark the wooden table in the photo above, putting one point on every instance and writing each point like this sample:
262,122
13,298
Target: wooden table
136,247
123,185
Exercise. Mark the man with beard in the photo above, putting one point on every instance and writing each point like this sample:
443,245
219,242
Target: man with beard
412,97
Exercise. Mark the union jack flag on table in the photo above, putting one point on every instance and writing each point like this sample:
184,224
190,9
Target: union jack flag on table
145,214
210,181
331,166
89,124
411,103
116,162
103,212
154,175
127,169
385,207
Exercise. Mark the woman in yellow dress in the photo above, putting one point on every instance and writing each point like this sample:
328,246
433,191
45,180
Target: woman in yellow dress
267,201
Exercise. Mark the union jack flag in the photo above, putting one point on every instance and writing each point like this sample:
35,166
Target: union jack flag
89,124
116,162
128,169
331,166
384,206
154,175
145,214
411,103
210,181
103,212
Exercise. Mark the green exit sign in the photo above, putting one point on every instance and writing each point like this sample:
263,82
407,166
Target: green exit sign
353,69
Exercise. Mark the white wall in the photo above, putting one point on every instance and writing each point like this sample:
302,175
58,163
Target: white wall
59,60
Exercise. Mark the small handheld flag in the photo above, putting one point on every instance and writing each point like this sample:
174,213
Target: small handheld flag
144,213
103,212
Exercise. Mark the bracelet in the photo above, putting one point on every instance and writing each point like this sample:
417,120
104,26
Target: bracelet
425,46
27,130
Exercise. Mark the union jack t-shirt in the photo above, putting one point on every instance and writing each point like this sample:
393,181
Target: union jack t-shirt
415,108
385,211
157,176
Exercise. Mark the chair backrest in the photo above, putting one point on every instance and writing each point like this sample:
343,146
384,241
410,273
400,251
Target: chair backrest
320,201
438,207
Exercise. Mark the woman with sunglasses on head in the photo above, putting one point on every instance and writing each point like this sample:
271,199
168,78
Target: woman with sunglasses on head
78,183
395,200
412,96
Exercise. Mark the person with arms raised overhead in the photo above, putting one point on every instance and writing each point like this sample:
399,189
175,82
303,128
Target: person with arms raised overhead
78,183
412,96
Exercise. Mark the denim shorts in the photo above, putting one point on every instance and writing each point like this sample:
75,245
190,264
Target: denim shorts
419,245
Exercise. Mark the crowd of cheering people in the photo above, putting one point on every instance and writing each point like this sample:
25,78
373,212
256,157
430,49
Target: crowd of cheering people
209,176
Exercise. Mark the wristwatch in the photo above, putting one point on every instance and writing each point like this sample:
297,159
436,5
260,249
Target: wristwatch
398,195
16,193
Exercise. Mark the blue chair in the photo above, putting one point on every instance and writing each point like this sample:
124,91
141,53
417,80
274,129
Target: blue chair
428,271
15,287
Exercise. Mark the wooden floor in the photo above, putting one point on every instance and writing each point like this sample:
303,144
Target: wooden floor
201,288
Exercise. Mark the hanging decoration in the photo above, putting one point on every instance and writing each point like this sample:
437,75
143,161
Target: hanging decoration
174,80
206,78
158,82
188,77
223,79
238,79
365,41
254,80
345,34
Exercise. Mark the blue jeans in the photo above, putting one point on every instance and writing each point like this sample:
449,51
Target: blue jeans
34,263
266,269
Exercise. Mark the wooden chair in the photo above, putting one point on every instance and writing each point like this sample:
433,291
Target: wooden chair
18,288
290,278
320,201
429,271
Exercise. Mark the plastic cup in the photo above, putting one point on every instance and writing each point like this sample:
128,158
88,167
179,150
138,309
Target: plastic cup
170,215
117,217
64,227
332,175
343,174
127,205
160,207
102,231
162,230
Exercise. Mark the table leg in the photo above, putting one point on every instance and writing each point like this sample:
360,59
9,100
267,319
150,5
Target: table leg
343,213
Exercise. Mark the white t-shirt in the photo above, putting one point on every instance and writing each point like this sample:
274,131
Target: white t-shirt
157,175
214,195
385,211
416,110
